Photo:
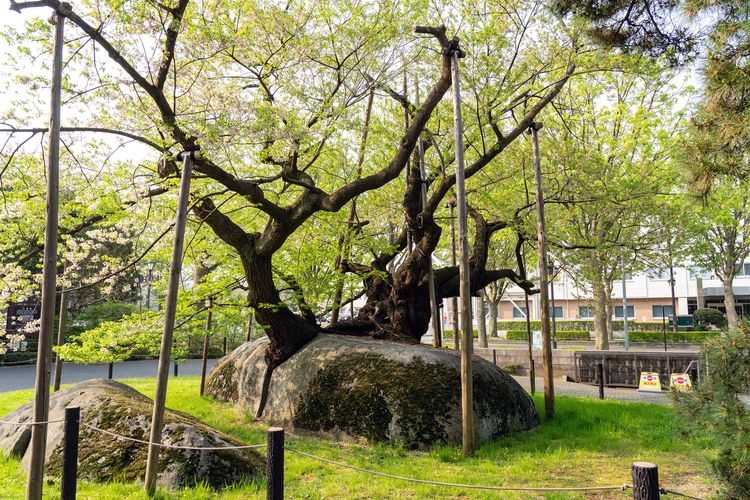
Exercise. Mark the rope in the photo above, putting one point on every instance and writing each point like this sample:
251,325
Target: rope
665,491
174,446
21,424
457,485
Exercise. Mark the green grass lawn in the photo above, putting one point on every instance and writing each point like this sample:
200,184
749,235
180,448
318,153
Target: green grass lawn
589,443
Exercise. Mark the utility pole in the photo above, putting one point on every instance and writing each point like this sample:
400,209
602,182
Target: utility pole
467,337
549,389
35,482
157,419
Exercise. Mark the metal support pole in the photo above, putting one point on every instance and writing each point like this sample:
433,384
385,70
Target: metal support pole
625,307
38,445
674,299
600,377
110,370
467,337
549,390
70,454
162,376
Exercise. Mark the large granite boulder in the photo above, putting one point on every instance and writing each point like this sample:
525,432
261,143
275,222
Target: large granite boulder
379,390
115,407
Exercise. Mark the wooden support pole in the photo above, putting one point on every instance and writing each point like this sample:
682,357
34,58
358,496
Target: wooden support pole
275,464
38,444
437,336
70,453
532,375
204,358
162,375
645,481
454,300
549,389
61,327
467,337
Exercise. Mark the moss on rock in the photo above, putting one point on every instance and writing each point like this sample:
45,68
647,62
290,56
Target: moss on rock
377,390
368,395
118,409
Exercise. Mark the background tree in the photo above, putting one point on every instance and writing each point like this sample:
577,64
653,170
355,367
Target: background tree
613,136
721,241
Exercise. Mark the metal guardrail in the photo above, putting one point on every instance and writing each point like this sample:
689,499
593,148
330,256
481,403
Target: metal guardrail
623,368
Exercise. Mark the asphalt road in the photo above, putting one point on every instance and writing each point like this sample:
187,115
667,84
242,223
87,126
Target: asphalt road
16,378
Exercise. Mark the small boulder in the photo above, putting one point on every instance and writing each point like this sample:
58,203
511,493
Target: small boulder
117,408
379,390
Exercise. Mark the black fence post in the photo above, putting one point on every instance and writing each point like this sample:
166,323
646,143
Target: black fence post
532,378
225,346
600,376
494,357
70,454
175,368
110,370
645,481
275,464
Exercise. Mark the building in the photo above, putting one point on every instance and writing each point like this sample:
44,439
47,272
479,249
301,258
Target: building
649,296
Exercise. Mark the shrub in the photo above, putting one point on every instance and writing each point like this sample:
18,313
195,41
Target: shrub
578,335
695,337
448,334
715,407
705,317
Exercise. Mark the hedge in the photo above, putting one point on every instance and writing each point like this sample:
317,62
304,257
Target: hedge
448,334
696,337
581,324
578,335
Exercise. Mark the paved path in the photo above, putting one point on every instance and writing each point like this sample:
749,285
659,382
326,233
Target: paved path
15,378
564,388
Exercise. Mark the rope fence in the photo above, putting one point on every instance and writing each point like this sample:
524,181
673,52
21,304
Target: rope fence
456,485
645,475
173,446
28,424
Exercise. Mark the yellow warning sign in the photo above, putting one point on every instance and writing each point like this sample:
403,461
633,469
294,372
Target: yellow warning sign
680,382
649,382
